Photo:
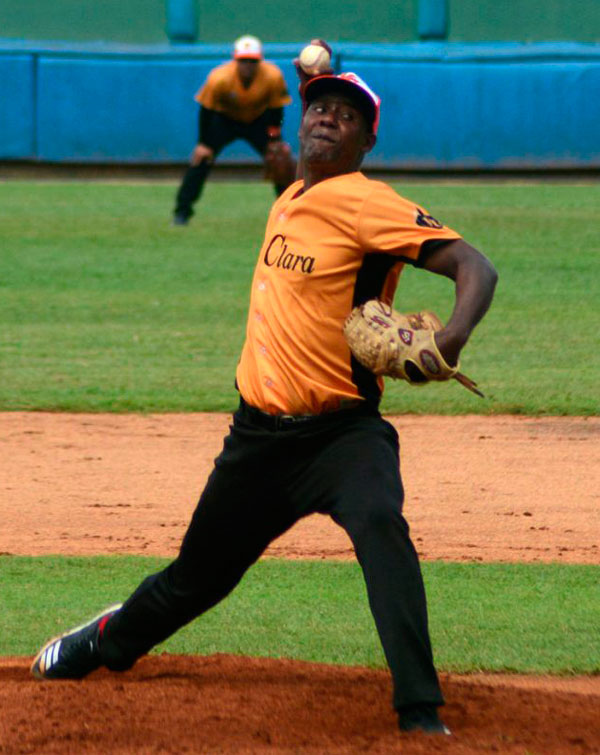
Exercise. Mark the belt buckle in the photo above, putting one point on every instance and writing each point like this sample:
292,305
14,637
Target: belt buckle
287,420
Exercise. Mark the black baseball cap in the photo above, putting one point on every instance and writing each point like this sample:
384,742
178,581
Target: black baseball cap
352,86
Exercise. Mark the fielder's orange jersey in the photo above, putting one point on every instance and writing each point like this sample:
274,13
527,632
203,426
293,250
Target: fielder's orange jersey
343,241
223,91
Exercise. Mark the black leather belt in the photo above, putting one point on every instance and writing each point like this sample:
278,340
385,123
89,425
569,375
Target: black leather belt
288,421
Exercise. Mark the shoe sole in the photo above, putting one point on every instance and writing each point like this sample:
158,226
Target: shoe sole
39,664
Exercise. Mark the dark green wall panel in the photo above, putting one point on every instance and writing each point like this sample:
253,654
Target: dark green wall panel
144,21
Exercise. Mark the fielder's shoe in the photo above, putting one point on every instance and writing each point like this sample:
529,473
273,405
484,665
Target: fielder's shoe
422,718
75,653
179,219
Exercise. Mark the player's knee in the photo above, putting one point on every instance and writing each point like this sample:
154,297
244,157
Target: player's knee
378,517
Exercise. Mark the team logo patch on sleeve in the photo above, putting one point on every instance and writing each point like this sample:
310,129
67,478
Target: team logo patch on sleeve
427,221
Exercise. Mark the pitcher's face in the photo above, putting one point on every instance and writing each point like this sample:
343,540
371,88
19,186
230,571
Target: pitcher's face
334,132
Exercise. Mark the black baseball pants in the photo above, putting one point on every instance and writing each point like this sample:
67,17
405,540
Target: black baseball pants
271,473
223,131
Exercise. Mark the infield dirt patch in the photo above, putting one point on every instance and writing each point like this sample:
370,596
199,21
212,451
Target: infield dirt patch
478,489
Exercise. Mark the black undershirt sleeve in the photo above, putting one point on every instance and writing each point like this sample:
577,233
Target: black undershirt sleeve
205,120
274,116
427,247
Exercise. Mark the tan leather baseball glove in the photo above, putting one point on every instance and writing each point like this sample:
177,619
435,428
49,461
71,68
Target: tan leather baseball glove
400,346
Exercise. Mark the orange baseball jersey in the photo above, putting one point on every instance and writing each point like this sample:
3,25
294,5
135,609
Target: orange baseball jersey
223,91
343,241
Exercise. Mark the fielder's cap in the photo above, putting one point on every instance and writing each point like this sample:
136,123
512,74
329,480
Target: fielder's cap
352,86
248,47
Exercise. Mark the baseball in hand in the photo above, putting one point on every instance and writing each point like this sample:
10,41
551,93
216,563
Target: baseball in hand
314,60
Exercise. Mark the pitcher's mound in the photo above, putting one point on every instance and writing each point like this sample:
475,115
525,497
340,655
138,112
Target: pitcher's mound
228,704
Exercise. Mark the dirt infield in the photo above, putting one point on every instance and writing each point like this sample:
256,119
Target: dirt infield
478,489
225,704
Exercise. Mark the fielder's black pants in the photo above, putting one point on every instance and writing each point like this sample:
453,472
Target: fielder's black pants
223,131
269,475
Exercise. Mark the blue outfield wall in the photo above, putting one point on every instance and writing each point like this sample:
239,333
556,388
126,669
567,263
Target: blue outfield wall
504,116
127,111
17,112
445,106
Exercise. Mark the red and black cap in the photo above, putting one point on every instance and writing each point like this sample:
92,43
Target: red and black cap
350,85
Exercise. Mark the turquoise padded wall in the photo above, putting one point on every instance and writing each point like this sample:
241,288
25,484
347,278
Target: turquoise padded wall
445,106
17,114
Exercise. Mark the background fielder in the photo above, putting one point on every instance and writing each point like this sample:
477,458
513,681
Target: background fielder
241,99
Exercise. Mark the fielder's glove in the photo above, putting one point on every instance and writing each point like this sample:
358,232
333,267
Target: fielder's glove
280,166
400,346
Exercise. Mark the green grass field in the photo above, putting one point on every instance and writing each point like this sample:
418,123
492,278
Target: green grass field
517,618
106,307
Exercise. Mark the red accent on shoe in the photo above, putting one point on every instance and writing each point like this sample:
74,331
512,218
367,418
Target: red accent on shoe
102,623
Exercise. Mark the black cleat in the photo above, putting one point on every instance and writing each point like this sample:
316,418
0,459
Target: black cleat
421,718
179,219
74,654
